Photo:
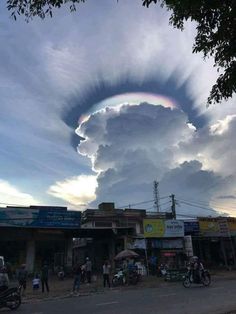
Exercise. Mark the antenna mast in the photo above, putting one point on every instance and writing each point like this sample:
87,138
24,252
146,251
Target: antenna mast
156,196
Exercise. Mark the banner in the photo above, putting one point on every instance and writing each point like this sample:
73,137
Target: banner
160,228
167,243
209,227
191,228
217,227
39,218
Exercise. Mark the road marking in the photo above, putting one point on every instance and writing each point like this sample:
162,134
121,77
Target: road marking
107,303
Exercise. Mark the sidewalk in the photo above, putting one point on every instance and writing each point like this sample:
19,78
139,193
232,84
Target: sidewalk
63,289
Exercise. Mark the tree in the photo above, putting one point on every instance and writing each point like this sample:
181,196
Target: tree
216,36
215,24
41,8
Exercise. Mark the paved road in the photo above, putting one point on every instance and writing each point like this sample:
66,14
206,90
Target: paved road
169,298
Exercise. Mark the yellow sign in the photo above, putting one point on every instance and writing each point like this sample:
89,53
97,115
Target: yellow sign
208,225
153,228
212,226
232,225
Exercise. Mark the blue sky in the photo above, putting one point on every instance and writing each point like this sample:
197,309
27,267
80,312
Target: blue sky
120,77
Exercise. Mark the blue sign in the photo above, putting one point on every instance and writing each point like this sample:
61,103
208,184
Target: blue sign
191,227
29,217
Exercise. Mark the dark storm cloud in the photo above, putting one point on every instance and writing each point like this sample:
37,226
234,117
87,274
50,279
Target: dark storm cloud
77,106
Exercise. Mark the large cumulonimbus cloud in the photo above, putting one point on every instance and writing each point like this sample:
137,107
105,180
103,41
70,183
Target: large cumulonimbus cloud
131,146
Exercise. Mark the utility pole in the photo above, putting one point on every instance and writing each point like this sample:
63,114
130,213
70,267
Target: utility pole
156,196
173,203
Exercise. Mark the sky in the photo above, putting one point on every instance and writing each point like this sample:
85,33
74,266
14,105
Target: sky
97,104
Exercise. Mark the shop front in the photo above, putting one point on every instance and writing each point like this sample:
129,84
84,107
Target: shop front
165,241
38,234
216,241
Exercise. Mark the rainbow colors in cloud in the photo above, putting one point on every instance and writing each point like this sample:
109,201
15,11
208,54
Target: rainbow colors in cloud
131,99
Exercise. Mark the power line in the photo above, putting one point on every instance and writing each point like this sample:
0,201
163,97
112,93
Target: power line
207,204
165,203
195,205
199,204
140,203
165,209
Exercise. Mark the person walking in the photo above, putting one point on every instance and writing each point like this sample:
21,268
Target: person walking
44,278
88,270
77,279
106,274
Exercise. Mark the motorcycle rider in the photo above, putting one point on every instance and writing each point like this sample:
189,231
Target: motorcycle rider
196,268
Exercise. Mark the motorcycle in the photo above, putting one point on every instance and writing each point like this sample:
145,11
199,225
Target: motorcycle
134,277
204,278
10,298
119,278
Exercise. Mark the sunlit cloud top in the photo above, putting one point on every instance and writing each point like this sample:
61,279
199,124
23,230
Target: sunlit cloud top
132,99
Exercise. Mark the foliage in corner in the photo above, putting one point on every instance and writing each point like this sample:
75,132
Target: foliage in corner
216,37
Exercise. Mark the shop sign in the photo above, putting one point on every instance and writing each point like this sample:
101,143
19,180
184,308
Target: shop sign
217,227
209,226
167,244
191,227
169,254
232,225
224,227
137,244
160,228
39,218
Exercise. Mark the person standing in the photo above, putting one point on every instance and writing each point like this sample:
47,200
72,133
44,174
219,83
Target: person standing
22,277
88,270
44,278
36,282
77,272
4,280
106,274
83,273
153,264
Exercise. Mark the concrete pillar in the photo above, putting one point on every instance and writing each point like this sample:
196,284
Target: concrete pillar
112,252
222,243
30,256
69,253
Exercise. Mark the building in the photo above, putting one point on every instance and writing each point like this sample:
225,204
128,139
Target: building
37,234
216,241
123,225
127,233
165,240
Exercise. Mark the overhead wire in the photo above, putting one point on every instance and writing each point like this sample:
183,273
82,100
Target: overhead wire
140,203
206,207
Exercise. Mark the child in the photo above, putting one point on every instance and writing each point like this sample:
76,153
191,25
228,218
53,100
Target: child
36,282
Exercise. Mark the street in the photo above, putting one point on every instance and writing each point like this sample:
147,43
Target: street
168,298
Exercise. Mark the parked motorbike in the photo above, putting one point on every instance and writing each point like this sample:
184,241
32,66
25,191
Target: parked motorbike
203,279
10,298
119,278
